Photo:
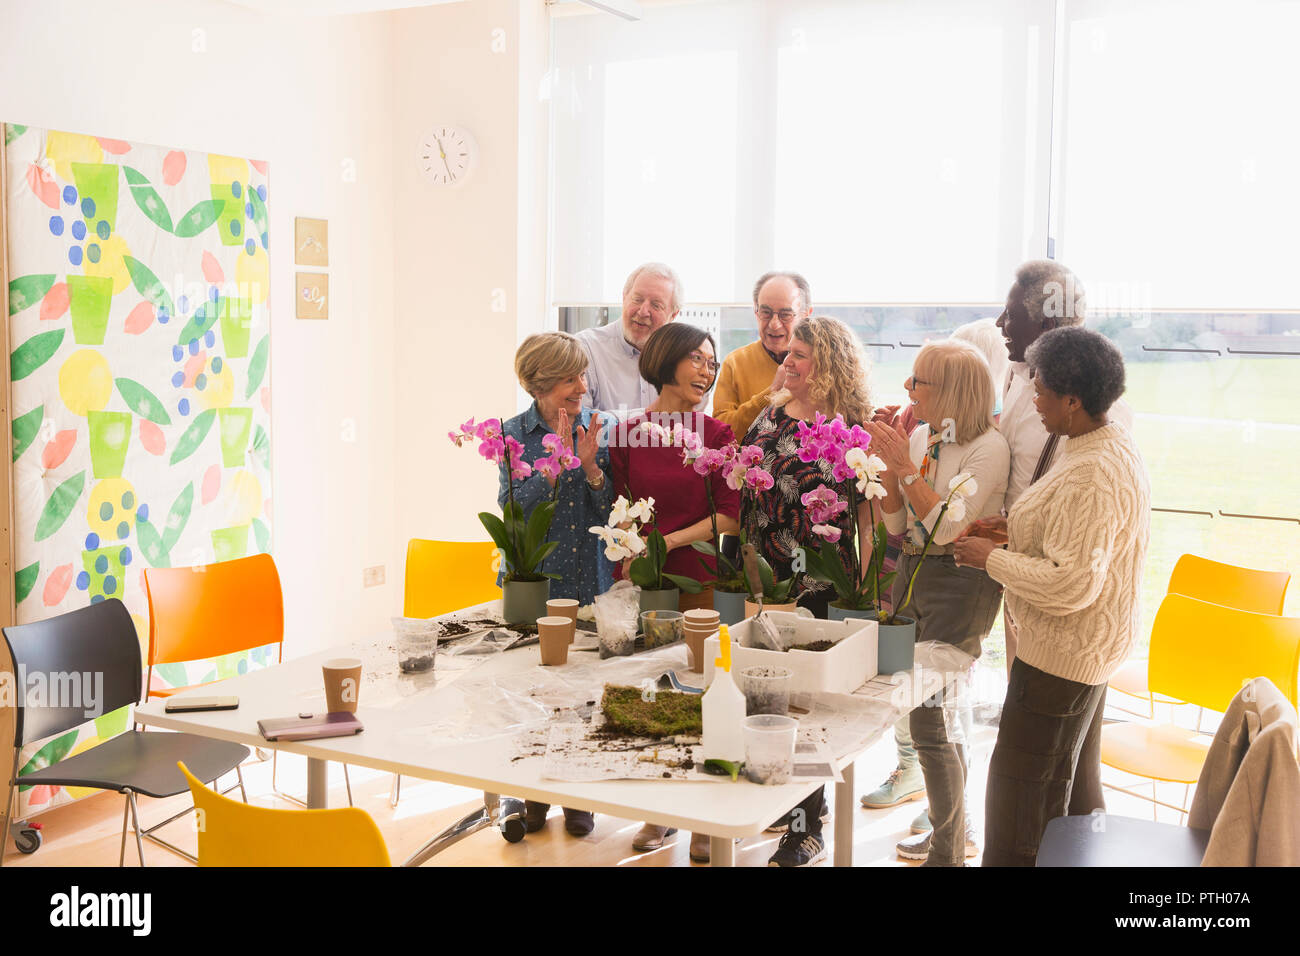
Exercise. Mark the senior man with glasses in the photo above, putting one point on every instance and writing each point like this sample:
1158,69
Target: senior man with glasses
752,375
652,297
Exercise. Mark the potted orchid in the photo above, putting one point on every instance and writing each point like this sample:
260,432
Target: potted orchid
522,542
845,450
732,597
624,538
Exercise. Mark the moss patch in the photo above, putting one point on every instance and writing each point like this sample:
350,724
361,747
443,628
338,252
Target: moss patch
670,713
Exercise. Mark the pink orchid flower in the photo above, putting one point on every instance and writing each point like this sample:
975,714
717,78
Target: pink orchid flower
827,531
758,479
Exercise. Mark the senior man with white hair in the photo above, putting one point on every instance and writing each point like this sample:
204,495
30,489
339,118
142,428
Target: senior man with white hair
652,297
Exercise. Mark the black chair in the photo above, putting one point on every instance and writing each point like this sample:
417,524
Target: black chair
1104,839
94,651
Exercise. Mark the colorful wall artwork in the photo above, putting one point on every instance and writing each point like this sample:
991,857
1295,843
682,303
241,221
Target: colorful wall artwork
140,348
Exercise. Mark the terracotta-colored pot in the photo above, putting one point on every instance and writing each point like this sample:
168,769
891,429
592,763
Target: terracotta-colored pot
690,602
751,608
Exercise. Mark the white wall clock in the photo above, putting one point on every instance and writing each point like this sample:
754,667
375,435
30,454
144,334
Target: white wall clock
447,155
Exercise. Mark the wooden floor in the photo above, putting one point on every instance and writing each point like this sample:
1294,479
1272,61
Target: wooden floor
88,832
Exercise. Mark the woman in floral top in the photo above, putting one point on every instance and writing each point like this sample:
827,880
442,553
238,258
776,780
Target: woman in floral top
825,375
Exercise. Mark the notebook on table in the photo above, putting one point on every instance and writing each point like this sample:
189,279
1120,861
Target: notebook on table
310,726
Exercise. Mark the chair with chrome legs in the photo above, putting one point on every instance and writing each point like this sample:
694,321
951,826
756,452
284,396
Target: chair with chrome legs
98,646
1247,589
211,610
444,576
1203,654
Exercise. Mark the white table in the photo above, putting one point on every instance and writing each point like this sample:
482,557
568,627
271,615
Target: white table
725,811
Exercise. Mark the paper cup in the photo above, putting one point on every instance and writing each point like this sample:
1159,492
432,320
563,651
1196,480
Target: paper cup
562,607
342,684
555,635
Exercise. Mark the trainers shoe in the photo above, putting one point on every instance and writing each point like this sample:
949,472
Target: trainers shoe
799,850
902,786
578,822
651,837
922,823
918,847
780,826
535,815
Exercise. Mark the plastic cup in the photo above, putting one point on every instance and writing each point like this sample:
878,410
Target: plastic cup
766,689
661,627
769,748
417,644
555,635
342,684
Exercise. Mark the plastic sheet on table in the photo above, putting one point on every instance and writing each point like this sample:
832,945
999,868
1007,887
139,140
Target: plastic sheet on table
477,708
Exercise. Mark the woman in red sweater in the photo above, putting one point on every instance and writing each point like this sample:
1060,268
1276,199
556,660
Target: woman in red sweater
646,457
646,454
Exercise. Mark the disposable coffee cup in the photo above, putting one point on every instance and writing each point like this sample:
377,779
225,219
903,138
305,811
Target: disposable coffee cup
562,607
555,634
342,684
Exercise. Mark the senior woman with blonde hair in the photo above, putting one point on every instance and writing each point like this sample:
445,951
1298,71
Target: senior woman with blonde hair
826,374
551,367
954,446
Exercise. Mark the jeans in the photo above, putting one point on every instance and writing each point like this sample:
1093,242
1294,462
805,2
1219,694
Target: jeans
1046,763
907,758
956,606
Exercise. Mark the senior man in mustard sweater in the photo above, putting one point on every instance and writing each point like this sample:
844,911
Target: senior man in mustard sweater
750,376
1076,541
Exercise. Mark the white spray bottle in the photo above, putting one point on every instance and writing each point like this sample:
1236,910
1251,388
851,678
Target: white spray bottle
723,709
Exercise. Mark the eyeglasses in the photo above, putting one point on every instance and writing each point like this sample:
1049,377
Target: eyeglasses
915,382
766,314
699,361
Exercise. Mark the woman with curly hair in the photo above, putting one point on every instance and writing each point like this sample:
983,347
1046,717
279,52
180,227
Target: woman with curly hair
825,374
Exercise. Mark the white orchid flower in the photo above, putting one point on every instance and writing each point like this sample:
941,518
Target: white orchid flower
957,508
618,513
642,510
632,542
963,484
871,489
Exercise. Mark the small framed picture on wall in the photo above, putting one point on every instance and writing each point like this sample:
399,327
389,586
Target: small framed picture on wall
313,295
311,242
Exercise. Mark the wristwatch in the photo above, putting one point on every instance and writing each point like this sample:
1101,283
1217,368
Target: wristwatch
597,485
906,480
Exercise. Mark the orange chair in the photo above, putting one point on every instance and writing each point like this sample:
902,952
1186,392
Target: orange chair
212,610
1247,589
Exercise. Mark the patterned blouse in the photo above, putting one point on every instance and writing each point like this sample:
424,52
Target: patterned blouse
776,520
580,558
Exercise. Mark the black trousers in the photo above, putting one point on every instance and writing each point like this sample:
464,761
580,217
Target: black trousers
1046,763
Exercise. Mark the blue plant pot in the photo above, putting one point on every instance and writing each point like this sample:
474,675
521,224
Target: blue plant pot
897,647
730,606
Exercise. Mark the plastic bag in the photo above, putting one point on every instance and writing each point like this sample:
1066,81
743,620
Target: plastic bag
617,612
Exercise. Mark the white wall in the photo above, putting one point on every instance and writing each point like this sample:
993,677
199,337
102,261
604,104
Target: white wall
308,95
458,252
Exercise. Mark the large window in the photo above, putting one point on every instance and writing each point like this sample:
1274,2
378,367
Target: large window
906,156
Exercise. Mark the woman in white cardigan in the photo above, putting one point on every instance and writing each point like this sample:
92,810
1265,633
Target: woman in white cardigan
1075,545
952,395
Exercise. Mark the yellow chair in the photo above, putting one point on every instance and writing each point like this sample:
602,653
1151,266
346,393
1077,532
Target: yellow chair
1263,592
236,834
1201,653
444,576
